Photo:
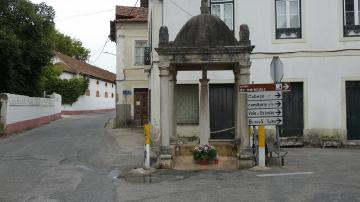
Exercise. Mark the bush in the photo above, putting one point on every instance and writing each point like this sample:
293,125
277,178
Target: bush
69,89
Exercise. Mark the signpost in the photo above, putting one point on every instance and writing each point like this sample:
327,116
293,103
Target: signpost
265,102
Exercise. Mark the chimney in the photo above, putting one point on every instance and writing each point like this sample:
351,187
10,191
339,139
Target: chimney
144,3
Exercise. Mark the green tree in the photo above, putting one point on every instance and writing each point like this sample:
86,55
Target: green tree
26,32
70,46
69,89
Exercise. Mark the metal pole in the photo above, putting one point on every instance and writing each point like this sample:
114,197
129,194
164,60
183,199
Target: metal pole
125,109
278,140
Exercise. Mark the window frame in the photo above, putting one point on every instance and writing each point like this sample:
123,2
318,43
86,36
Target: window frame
347,29
288,31
143,49
223,2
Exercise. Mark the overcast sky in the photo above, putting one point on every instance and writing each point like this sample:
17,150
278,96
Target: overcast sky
88,21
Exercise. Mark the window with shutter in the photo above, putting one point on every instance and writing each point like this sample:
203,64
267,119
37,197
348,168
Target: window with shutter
139,52
224,9
187,103
351,18
288,19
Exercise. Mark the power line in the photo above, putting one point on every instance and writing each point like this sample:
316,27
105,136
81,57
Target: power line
181,8
85,14
107,40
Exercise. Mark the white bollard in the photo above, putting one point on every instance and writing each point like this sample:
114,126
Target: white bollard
147,146
261,136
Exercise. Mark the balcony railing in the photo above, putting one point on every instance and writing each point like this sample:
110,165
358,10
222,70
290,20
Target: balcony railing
351,30
147,59
288,33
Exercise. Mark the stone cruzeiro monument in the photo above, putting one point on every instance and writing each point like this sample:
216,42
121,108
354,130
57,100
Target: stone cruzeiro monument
204,43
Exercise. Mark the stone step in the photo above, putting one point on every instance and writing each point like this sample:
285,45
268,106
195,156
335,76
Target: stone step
187,163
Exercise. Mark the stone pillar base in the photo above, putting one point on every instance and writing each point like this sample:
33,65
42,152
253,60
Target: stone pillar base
165,161
246,163
165,150
246,153
247,158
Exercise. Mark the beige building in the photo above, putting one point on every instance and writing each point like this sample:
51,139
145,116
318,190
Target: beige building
129,31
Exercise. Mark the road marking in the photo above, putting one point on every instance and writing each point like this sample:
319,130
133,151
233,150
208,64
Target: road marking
285,174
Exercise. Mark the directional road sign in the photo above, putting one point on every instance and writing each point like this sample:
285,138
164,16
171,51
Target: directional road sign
253,113
265,121
265,95
248,88
126,92
264,104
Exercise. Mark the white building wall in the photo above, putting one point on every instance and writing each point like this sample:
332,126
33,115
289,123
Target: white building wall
90,103
129,76
319,61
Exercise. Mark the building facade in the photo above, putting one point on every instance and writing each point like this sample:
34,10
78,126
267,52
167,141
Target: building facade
319,49
100,96
129,31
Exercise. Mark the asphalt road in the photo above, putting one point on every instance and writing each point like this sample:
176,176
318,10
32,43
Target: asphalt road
75,159
66,160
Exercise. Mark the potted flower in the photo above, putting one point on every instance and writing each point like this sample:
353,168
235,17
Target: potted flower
204,154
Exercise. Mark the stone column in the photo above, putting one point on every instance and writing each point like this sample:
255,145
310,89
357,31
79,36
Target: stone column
242,76
237,104
172,105
164,109
204,109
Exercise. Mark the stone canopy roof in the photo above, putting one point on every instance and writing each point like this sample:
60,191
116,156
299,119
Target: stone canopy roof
205,42
205,30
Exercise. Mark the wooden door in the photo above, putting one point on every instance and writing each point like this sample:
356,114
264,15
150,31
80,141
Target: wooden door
353,110
141,106
222,115
293,111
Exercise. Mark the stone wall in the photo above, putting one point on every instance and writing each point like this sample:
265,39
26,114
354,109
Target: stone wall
20,112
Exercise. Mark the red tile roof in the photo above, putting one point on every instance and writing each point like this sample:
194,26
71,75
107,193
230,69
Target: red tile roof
131,14
72,65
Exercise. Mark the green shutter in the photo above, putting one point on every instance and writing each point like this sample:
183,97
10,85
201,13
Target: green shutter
187,103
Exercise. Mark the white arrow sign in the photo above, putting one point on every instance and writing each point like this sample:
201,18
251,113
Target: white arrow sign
265,121
267,104
265,95
264,113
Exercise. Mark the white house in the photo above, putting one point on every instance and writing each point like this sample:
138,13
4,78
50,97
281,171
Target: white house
318,42
129,31
100,95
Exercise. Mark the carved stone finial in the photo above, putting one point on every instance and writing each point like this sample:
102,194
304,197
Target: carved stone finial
244,33
205,9
163,35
